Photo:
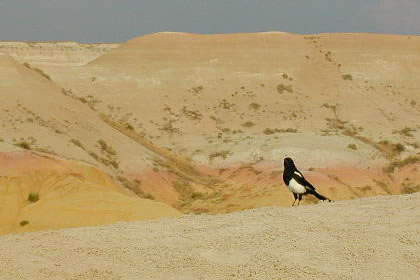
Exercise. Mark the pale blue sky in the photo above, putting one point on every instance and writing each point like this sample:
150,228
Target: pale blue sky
118,21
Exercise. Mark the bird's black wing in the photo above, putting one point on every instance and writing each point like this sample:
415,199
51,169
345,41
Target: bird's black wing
301,180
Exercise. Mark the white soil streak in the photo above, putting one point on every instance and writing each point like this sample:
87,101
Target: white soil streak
369,238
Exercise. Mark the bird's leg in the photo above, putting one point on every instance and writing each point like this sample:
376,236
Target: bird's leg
295,196
300,198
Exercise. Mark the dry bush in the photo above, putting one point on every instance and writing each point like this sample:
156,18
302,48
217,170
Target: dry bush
248,124
268,131
194,115
106,148
24,145
134,185
352,146
224,104
77,143
33,197
286,130
196,90
408,189
223,154
42,73
406,131
281,88
347,77
254,106
390,150
365,188
401,163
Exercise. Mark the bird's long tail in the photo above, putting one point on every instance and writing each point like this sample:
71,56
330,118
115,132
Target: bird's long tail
321,197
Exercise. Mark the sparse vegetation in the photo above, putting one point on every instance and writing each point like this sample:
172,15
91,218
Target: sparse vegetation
254,106
175,163
224,104
33,197
409,189
248,124
196,195
268,131
77,143
401,163
93,155
186,190
196,90
194,115
168,127
23,223
134,185
282,88
347,77
24,145
352,146
223,154
406,131
389,148
106,148
365,188
42,73
287,130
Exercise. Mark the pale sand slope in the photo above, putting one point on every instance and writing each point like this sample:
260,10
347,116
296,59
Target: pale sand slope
369,238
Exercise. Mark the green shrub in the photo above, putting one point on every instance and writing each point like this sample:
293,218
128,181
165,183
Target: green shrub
24,145
105,147
248,124
223,154
254,106
347,77
352,146
33,197
281,88
77,143
268,131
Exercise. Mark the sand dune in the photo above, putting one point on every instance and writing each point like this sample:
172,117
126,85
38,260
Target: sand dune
369,238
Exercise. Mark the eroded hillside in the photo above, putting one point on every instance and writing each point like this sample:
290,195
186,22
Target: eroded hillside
39,191
202,122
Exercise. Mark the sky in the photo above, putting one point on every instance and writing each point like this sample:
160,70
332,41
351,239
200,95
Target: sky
120,20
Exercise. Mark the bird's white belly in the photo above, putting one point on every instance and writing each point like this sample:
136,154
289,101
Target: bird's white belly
295,187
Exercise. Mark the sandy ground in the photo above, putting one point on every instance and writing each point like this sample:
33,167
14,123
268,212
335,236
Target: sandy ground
369,238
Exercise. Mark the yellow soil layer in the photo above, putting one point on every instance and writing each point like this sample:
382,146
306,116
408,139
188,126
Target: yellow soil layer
70,195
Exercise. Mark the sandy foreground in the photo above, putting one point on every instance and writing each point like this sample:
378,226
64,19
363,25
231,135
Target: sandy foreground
368,238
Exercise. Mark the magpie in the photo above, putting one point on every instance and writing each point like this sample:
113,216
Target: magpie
296,183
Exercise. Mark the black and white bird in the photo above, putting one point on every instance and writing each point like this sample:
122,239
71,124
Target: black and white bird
296,183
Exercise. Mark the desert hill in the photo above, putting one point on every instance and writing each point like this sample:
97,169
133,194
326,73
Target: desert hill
342,104
368,238
38,114
39,191
202,122
54,53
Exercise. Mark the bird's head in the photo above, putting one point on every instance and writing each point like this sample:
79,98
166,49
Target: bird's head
289,164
